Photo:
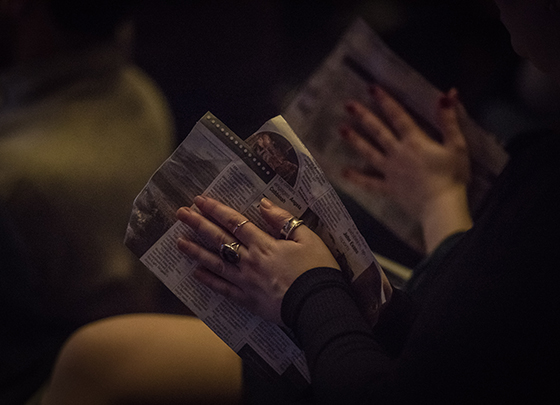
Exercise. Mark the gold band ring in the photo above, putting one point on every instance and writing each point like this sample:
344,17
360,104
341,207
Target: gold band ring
290,225
239,225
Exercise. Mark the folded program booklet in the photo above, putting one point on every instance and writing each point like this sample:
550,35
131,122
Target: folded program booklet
271,163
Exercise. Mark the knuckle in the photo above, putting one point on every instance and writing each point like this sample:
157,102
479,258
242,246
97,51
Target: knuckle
284,217
227,291
264,251
222,239
231,223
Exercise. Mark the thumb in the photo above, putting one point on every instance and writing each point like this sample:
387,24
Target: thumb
449,120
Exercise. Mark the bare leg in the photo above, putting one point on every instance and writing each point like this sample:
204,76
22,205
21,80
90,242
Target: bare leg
145,359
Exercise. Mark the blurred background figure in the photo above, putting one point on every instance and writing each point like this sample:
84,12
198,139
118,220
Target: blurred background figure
81,131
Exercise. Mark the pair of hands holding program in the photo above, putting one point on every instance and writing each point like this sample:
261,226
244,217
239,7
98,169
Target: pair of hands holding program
428,179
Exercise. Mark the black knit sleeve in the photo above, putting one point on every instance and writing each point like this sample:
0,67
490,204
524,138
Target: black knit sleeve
346,363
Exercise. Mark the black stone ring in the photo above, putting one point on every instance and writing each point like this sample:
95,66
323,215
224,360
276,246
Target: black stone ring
229,252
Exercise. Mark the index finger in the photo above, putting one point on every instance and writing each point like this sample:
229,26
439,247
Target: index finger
395,114
245,231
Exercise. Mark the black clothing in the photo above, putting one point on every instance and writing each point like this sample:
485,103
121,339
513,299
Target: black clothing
483,326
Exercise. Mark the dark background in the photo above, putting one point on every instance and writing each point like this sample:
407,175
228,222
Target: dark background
243,59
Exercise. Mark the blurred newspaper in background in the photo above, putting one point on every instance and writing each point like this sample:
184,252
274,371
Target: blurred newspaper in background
317,112
271,163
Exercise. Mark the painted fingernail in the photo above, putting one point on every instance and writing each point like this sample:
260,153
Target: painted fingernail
445,102
454,93
350,108
344,132
266,203
449,100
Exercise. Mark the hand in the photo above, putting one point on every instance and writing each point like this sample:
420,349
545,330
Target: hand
426,178
267,266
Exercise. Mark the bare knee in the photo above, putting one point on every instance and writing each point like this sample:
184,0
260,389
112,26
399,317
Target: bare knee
84,365
145,358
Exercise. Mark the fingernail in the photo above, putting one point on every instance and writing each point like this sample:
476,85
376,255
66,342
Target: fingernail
454,94
373,89
449,100
183,211
198,273
199,200
266,203
446,102
182,244
344,132
350,108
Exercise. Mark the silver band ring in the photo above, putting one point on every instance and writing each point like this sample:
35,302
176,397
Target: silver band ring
290,225
229,252
239,225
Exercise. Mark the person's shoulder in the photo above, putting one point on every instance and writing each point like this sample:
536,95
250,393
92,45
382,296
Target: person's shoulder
143,86
31,164
150,108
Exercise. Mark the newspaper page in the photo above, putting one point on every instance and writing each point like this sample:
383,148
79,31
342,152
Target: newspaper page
271,163
317,111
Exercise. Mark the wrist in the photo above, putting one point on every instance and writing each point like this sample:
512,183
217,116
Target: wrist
445,215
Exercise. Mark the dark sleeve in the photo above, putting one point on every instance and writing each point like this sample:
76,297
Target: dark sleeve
347,365
397,317
487,329
430,268
395,322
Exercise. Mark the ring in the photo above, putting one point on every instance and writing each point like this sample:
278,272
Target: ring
290,225
229,252
239,225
